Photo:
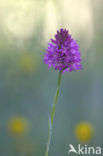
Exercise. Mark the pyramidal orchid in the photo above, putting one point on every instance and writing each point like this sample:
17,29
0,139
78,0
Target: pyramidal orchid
63,54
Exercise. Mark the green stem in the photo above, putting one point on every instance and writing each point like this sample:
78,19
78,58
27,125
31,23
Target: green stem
50,125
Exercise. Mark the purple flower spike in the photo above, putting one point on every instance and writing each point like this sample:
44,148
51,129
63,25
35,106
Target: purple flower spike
63,53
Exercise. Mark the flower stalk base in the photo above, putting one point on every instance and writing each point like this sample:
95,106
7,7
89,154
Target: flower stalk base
51,119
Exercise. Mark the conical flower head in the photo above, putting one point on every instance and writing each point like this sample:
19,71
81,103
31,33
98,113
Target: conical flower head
63,53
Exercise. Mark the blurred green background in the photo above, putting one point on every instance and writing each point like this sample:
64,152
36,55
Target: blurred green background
27,86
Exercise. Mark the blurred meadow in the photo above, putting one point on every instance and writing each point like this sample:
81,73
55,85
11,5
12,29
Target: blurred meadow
27,86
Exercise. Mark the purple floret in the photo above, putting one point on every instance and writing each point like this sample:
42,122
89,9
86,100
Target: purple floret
63,53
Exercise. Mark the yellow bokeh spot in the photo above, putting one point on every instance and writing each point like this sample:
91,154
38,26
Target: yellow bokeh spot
84,131
28,63
18,125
